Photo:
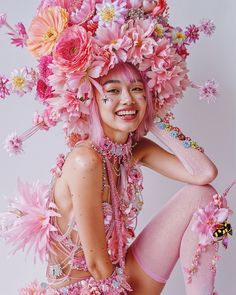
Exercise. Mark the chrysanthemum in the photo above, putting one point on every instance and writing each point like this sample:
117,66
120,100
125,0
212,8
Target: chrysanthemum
140,31
207,27
13,144
168,77
22,81
178,36
115,40
33,227
45,29
109,12
209,91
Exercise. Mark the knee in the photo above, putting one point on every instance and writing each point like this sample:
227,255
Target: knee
202,193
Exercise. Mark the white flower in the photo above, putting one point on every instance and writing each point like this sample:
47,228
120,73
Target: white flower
109,12
22,81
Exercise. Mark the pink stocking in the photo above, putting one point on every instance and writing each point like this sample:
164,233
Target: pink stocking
168,237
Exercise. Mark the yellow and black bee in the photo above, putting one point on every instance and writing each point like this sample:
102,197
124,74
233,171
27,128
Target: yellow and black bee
223,229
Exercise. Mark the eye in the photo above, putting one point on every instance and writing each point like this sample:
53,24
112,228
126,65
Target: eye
137,89
113,91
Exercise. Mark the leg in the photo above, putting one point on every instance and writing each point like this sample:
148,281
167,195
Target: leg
141,282
167,237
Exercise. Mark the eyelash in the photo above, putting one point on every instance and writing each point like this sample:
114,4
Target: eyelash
116,91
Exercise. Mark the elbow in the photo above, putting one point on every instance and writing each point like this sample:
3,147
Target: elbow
209,176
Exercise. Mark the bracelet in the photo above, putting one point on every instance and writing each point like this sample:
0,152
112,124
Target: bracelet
175,132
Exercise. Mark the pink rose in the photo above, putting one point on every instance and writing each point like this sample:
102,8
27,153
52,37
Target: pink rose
73,50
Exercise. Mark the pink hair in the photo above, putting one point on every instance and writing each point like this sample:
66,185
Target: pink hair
96,130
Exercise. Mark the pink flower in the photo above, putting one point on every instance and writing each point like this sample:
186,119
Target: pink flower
44,91
135,176
83,13
3,19
50,118
114,39
69,5
168,76
209,91
45,29
68,106
73,50
106,57
13,144
58,79
205,221
4,89
207,27
33,288
39,120
57,169
83,82
192,33
44,69
140,32
33,228
19,37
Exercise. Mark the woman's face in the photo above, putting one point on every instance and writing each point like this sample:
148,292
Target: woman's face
123,105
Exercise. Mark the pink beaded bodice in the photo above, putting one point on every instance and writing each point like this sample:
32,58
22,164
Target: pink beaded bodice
130,205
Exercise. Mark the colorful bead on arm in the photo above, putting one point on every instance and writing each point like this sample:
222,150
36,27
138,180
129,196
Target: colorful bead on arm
175,132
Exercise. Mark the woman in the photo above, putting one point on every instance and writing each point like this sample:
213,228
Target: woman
109,74
80,193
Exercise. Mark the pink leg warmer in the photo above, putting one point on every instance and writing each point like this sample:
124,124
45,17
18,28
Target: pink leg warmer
168,237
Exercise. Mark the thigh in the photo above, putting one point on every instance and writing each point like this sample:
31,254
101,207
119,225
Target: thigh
140,282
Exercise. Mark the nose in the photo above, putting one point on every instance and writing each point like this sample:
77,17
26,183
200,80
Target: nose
127,98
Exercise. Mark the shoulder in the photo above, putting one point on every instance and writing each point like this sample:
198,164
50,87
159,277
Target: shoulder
82,158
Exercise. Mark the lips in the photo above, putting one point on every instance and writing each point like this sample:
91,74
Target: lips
127,114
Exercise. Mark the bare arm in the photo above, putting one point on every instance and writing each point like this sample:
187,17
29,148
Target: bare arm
193,167
83,173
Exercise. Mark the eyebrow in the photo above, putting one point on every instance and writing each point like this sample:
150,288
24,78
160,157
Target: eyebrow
118,81
111,81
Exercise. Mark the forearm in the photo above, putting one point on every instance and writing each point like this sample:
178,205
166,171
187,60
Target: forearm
192,157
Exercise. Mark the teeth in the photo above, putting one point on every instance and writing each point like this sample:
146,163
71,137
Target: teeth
123,113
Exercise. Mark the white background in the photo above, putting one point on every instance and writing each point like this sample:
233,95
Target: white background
213,126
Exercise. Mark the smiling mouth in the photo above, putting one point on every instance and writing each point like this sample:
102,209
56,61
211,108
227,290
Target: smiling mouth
126,113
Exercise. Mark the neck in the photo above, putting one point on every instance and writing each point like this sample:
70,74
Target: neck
117,152
115,135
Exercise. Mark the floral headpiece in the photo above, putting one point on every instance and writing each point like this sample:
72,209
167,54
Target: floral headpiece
77,41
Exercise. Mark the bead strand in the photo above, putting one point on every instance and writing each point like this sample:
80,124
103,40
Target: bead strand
175,132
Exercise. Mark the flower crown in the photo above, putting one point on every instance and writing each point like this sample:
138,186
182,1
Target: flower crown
77,41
